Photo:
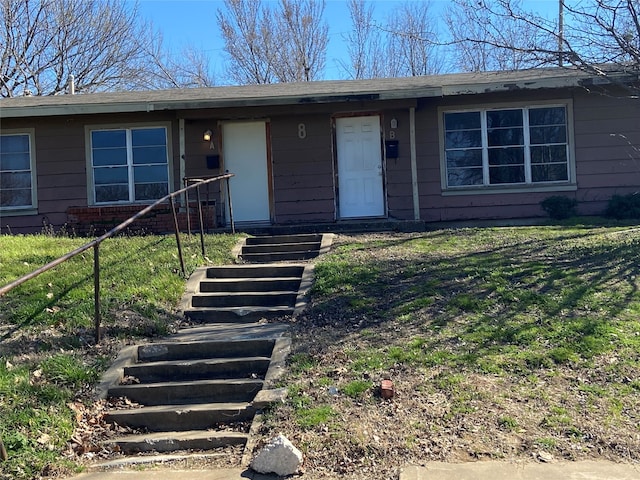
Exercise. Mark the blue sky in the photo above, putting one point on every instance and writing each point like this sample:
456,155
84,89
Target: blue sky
193,22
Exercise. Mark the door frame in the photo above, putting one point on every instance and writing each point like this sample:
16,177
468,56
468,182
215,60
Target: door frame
269,158
383,160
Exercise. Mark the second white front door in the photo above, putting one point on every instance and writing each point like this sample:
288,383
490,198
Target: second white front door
245,155
360,175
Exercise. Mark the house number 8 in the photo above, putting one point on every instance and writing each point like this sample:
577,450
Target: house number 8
302,130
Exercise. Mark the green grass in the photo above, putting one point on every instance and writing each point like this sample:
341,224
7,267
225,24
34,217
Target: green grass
55,359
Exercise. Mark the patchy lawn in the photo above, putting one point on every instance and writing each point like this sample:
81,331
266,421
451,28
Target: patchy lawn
501,343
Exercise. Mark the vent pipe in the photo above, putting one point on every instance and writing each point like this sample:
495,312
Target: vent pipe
72,85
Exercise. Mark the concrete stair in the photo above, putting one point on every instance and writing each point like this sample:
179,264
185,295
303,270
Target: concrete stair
183,391
283,248
202,388
246,293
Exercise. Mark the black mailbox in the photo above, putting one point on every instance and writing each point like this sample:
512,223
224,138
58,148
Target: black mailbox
391,148
213,162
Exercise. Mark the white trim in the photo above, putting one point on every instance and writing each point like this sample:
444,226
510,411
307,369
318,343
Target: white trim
167,125
414,164
568,185
33,208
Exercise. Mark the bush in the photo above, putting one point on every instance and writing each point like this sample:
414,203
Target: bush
559,207
624,206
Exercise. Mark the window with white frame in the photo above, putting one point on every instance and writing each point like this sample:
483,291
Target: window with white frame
510,146
129,164
17,182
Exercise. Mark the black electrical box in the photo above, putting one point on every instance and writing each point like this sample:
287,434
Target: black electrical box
213,162
391,148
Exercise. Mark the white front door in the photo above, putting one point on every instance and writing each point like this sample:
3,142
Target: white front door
360,176
245,155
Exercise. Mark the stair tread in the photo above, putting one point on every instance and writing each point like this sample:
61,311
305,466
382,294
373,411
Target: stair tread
182,408
249,279
198,361
187,383
178,435
271,293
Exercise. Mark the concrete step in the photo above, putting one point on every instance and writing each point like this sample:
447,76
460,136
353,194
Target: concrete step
155,352
182,417
172,441
189,392
250,284
245,299
242,367
274,239
255,271
269,257
236,315
281,247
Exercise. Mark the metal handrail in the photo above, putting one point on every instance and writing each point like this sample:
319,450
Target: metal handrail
95,244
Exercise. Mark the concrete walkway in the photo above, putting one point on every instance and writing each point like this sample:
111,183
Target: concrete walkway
585,470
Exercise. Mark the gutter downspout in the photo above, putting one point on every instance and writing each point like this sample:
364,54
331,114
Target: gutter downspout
414,164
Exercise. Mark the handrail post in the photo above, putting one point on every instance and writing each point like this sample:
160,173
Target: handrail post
233,227
200,219
186,202
96,291
177,230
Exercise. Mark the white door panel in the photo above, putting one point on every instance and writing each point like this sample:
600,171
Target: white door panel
360,176
245,155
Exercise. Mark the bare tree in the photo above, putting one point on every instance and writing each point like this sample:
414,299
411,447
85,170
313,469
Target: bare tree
364,44
595,33
480,43
267,44
188,69
100,42
406,45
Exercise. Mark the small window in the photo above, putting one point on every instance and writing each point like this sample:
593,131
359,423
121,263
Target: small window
513,146
17,176
129,165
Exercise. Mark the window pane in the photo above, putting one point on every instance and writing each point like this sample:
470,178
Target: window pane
463,139
15,197
509,174
549,173
464,176
15,180
148,136
109,156
14,144
549,154
554,134
112,193
504,118
464,158
505,136
103,176
151,191
462,121
14,161
153,174
108,138
506,156
547,116
143,155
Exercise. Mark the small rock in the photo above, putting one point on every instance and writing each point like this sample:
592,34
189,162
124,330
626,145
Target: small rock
545,457
279,456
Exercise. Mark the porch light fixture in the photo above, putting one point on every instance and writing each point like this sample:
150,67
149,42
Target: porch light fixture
207,136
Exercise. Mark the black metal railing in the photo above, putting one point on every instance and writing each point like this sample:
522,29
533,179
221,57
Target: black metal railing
196,183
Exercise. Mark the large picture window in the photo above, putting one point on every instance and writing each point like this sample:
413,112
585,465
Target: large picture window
511,146
129,165
16,172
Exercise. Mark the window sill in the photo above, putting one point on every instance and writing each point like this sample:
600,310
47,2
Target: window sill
496,190
17,212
